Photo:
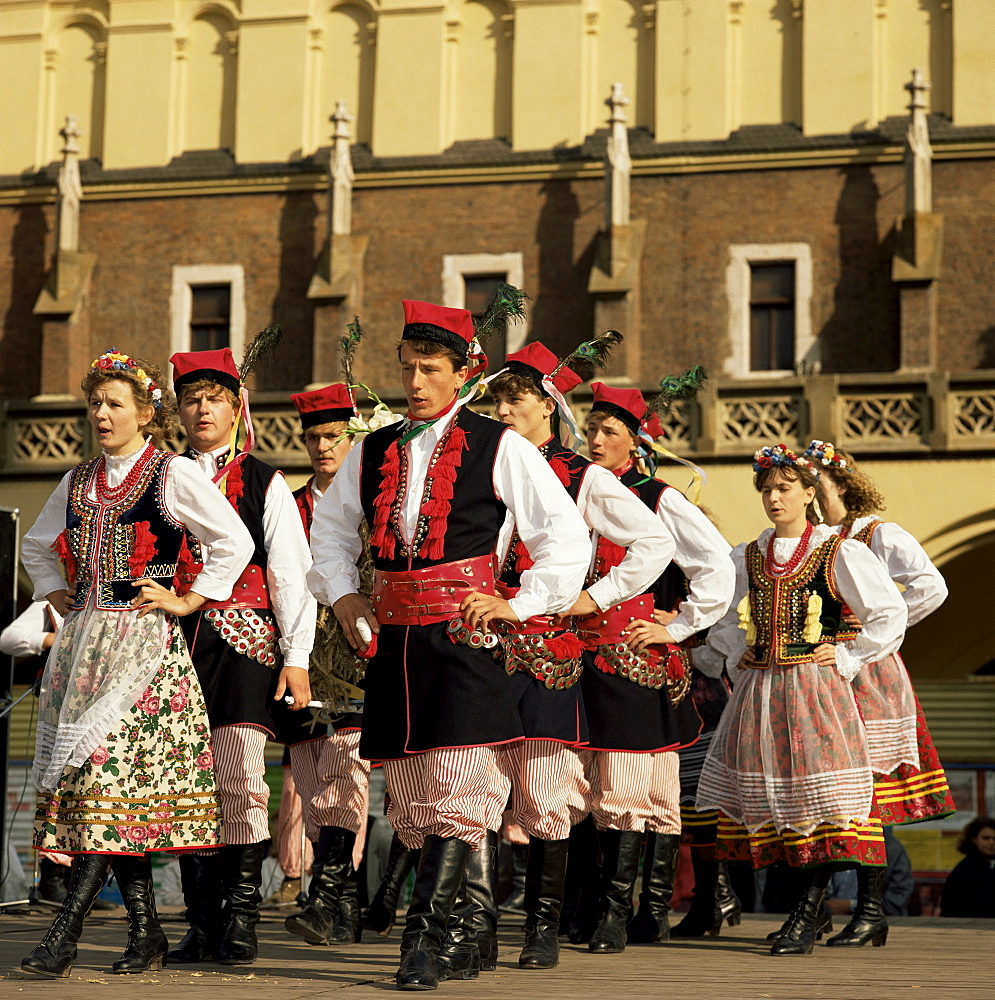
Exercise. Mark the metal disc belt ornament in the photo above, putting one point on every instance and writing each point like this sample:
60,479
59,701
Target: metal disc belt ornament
648,668
247,632
461,634
527,652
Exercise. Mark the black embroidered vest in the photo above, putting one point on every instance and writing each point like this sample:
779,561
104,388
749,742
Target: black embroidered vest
126,535
790,615
475,513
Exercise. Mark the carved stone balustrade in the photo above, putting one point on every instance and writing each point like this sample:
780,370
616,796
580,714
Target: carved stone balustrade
894,413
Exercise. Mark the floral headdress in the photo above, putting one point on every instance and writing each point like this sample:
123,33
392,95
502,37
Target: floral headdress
824,452
771,456
113,360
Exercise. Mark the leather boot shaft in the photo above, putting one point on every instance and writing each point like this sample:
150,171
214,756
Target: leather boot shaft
241,880
320,921
53,958
459,956
801,928
441,867
544,880
867,923
703,916
380,915
651,922
481,885
619,867
147,945
200,879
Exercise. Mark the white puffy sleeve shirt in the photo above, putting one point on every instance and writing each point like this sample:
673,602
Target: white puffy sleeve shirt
907,563
859,578
548,522
190,498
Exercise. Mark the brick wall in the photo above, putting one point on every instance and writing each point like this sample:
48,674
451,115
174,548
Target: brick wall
845,214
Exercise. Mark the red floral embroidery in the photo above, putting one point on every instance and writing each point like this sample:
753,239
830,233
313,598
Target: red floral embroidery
64,551
144,550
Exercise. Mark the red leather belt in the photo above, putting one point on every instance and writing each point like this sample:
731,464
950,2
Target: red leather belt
250,590
434,594
535,625
606,627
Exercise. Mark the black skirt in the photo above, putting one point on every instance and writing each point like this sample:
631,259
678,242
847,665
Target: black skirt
424,692
621,715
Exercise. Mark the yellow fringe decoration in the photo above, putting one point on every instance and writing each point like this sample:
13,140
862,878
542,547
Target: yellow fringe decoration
812,631
746,620
693,492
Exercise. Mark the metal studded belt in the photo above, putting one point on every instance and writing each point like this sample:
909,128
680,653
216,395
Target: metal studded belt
431,595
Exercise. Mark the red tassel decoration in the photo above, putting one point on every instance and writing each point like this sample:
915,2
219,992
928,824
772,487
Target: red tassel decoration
523,560
186,569
144,548
234,487
443,472
64,551
390,470
675,667
603,665
561,470
565,647
609,555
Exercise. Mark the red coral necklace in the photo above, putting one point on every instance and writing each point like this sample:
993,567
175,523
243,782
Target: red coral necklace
110,493
785,569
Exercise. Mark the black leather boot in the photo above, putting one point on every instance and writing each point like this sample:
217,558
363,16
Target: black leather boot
241,879
440,873
799,934
727,904
703,916
147,945
650,924
481,879
582,886
380,915
515,901
823,924
867,922
54,956
332,865
619,866
459,956
200,878
53,881
544,879
348,929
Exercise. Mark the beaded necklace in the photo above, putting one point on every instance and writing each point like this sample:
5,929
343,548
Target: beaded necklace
786,569
108,494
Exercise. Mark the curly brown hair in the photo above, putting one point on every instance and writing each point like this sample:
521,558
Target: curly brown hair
858,493
807,477
163,424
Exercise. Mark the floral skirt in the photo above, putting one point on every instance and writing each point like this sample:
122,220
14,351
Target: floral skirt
909,781
790,752
150,785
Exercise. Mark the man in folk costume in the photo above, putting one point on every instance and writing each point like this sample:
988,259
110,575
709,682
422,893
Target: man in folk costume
435,490
333,780
636,677
249,652
543,657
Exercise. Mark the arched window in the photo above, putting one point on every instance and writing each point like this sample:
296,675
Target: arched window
347,69
625,54
209,118
79,88
482,78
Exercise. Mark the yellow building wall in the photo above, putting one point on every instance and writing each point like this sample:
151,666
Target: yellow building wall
262,76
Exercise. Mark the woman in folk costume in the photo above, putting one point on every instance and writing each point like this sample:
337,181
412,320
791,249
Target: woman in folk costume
910,785
636,676
122,762
788,767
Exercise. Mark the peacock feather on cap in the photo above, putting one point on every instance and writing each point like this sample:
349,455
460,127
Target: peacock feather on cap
508,305
263,346
589,358
677,387
348,344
